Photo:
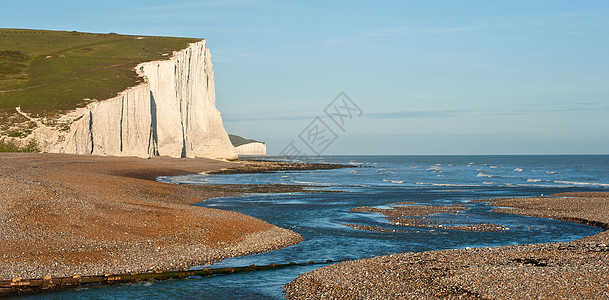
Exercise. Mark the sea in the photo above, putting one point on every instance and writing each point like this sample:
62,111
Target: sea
375,181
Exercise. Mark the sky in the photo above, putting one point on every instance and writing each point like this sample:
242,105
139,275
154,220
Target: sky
418,77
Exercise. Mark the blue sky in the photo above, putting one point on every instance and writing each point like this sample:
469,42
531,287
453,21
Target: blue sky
431,77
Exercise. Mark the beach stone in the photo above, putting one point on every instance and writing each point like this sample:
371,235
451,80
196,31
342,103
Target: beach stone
539,271
107,215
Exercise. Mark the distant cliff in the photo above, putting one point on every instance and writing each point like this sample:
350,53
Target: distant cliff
252,149
247,146
172,113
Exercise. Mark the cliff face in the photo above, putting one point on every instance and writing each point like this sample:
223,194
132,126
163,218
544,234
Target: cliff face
173,113
251,149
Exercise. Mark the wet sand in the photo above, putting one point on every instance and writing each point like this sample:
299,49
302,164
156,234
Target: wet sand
572,270
65,215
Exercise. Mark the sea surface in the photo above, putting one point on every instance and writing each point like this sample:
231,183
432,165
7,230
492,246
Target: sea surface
377,181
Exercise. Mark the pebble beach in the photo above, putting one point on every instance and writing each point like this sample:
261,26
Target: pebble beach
570,270
67,215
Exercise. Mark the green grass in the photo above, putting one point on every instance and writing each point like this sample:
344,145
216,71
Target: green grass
238,141
51,72
9,146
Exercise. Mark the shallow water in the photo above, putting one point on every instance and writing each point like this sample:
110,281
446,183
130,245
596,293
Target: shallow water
378,181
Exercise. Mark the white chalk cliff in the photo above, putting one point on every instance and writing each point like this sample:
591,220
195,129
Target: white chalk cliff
172,113
255,148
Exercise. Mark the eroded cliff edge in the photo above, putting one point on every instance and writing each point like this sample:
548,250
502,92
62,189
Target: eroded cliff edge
173,113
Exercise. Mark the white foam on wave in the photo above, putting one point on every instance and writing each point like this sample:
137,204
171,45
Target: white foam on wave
303,182
435,169
488,182
534,180
393,181
483,175
581,183
447,184
533,185
518,170
493,167
552,172
313,183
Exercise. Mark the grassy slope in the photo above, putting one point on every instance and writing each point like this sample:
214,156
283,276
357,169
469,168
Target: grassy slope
50,72
238,141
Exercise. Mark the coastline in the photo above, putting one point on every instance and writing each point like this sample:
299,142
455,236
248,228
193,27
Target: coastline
69,215
576,269
121,188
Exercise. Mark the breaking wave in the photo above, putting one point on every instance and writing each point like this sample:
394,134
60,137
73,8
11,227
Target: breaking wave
582,183
393,181
447,184
313,183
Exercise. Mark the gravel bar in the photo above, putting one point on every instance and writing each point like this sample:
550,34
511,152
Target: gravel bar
250,166
571,270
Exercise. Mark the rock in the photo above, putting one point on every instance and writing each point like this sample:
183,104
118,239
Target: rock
252,149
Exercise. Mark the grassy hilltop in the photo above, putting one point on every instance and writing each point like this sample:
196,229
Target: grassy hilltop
238,141
50,72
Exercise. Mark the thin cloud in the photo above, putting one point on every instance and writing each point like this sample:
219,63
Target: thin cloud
527,109
419,114
559,107
510,110
392,33
387,32
402,31
196,4
338,41
273,116
445,30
